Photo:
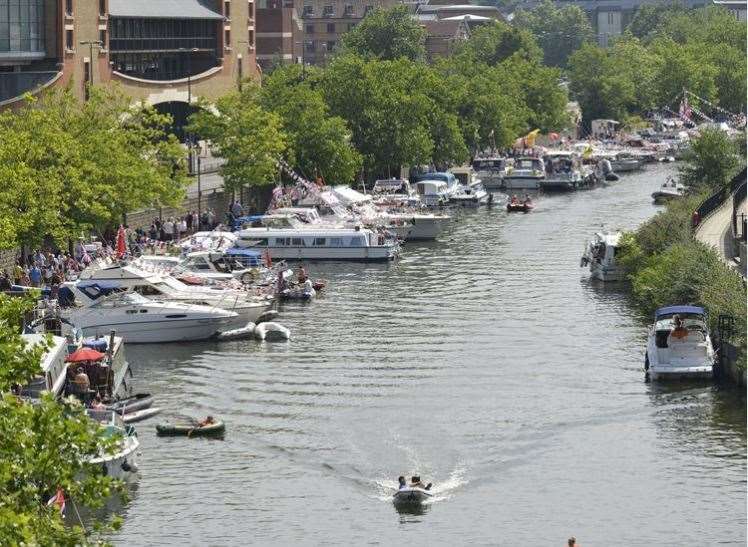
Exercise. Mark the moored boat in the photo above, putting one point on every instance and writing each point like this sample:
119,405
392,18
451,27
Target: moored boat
600,255
679,345
168,429
524,174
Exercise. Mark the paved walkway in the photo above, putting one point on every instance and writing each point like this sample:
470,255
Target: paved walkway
716,231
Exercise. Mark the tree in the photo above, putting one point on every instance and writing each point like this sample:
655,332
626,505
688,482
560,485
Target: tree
558,31
494,42
248,137
318,142
72,167
387,34
45,447
711,161
649,18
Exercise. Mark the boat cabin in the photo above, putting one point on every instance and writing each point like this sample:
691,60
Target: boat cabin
693,319
432,192
530,165
53,366
495,165
392,186
446,177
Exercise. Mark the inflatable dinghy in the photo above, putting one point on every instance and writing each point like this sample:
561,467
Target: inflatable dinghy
167,429
139,401
140,415
411,495
272,332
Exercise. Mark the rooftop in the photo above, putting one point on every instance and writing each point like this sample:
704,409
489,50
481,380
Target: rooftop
163,9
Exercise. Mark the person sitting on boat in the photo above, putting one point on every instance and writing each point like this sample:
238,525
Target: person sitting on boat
97,404
514,199
415,482
208,420
527,199
301,276
81,380
401,483
679,330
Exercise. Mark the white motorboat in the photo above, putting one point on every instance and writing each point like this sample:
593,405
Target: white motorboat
221,266
524,174
214,240
140,320
624,162
670,190
122,464
360,244
564,172
162,286
469,190
395,192
411,495
491,171
600,255
679,345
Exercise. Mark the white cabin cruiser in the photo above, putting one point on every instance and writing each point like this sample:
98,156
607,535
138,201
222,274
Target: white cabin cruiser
670,190
161,286
469,191
214,240
140,320
525,174
222,266
624,162
679,345
600,256
490,171
395,192
360,244
563,172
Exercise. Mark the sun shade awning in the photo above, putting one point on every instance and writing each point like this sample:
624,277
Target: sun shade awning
162,9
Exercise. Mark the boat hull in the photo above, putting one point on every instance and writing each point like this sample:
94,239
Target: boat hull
154,332
522,183
123,464
411,496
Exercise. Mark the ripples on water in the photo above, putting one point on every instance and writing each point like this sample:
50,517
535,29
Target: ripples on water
488,363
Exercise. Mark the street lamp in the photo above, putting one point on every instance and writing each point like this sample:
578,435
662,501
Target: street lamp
91,44
189,71
303,59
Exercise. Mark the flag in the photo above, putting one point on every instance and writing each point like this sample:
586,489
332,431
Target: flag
530,138
121,242
59,500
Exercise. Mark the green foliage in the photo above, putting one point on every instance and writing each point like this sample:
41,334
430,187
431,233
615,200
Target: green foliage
494,42
666,49
69,167
318,142
559,31
45,447
387,34
247,136
711,161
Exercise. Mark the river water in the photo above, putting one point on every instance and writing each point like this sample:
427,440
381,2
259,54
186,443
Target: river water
485,361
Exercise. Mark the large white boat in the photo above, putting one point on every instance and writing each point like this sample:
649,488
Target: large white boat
624,162
524,174
679,345
564,172
140,320
164,287
359,244
600,255
491,171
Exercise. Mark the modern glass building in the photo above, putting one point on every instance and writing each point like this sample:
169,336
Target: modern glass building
21,30
166,45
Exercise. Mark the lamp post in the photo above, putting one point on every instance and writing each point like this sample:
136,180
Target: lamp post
188,138
90,44
303,59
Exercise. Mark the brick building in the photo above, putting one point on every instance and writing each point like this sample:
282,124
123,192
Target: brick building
167,52
279,33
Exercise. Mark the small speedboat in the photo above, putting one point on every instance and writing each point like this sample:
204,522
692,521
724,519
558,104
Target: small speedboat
167,429
411,495
140,415
520,207
272,332
139,401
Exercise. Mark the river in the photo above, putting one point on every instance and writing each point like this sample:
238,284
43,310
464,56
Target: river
485,361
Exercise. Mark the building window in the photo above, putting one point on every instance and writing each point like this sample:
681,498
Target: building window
227,38
250,10
328,11
102,38
308,10
69,7
69,40
310,29
102,8
309,45
367,9
227,9
251,38
331,45
348,10
611,18
331,28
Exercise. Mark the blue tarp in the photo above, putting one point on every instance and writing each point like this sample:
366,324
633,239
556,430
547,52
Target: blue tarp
248,257
672,310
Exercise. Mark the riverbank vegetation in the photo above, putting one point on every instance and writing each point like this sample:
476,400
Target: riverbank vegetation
663,51
69,168
44,450
666,265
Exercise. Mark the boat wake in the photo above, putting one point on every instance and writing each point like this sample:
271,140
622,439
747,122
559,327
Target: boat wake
442,489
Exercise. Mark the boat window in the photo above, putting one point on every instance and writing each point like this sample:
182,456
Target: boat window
176,316
143,311
319,241
357,241
280,241
336,242
262,242
298,242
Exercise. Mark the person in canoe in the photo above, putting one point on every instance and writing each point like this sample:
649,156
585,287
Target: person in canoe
401,483
208,420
